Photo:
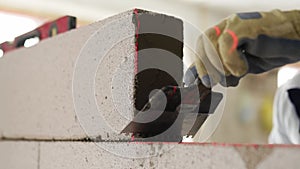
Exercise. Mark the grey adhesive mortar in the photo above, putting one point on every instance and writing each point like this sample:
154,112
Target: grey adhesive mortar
75,85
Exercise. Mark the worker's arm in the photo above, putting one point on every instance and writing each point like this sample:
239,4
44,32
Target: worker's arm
247,43
282,111
286,113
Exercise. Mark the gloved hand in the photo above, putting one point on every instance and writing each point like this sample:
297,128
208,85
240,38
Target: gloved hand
247,43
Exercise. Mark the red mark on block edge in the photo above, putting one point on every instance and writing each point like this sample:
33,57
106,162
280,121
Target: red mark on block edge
136,12
235,40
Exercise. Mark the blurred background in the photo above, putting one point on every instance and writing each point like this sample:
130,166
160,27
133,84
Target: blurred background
248,111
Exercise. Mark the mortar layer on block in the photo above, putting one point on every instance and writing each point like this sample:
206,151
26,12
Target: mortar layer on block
86,82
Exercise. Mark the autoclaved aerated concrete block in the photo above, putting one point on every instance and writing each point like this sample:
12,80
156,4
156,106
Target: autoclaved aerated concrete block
79,155
89,82
18,154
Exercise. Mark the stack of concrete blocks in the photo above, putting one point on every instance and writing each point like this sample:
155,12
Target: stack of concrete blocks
64,102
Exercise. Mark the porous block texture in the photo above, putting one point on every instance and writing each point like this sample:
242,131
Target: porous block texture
89,82
82,155
17,155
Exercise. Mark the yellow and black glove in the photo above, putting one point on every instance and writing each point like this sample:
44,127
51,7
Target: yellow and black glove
247,43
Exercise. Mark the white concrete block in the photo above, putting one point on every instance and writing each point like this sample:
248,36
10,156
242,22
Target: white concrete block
137,155
86,82
283,157
19,155
89,155
166,155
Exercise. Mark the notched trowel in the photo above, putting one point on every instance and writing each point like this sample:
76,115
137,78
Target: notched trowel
174,112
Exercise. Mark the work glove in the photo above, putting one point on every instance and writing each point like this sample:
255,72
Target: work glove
247,43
